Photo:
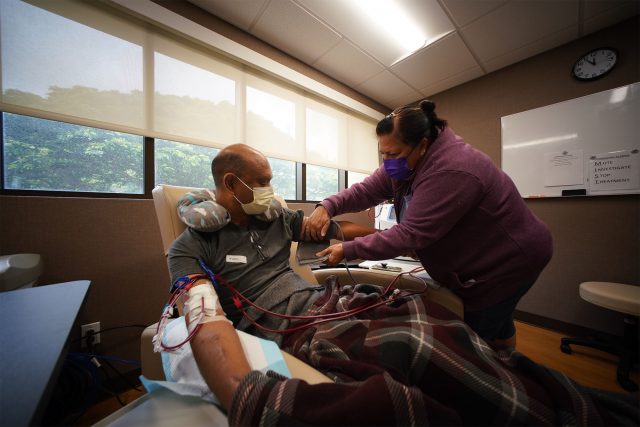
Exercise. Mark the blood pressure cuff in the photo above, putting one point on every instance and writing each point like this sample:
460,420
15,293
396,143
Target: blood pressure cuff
199,210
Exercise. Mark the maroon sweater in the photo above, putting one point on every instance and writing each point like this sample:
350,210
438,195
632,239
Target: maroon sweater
466,222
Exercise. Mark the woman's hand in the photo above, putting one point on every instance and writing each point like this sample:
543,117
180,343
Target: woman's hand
335,252
317,224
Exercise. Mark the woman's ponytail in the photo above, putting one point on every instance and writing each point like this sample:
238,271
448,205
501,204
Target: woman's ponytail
435,124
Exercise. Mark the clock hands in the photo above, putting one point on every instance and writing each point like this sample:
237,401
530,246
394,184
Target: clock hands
592,61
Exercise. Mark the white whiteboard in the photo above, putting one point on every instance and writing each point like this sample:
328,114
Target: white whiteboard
584,146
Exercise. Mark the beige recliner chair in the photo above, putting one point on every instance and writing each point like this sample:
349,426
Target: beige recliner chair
166,199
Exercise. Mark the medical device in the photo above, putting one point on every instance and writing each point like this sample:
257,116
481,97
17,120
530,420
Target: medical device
385,216
184,284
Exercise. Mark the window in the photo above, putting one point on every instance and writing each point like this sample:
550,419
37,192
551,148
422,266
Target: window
321,182
195,95
81,63
89,94
284,178
325,136
272,124
54,156
182,164
355,177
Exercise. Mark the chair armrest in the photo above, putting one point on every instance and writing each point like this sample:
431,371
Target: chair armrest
150,361
439,295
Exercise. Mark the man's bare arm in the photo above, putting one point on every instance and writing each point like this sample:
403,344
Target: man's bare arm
219,355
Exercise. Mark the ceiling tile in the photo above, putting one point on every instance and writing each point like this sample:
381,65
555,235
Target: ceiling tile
518,24
407,99
292,29
240,13
610,16
532,49
385,87
348,64
361,32
464,11
449,82
446,57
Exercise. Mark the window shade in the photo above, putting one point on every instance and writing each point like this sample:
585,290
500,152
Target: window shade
92,65
274,123
71,68
194,95
362,146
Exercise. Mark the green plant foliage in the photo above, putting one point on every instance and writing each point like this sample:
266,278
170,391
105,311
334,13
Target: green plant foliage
48,155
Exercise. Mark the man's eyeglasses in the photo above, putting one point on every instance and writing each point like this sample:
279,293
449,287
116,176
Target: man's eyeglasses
255,241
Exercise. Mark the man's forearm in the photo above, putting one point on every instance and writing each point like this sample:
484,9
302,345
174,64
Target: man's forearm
219,355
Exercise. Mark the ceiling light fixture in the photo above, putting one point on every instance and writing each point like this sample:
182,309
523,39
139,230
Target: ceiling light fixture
389,17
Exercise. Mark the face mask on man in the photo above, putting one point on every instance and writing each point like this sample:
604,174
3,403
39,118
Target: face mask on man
262,198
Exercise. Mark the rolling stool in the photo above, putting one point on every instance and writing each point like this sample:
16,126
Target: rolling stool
19,271
624,299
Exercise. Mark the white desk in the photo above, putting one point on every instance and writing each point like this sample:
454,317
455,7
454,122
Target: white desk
163,408
405,265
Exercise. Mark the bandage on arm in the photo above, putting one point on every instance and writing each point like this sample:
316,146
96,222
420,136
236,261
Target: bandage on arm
202,305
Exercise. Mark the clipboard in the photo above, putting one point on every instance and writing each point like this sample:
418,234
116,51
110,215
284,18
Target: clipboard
306,252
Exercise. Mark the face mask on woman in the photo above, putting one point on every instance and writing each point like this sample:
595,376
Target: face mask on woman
262,197
398,168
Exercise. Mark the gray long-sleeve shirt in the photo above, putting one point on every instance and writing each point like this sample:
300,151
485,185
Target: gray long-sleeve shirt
465,220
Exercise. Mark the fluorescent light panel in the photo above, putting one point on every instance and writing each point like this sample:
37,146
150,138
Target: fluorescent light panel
390,17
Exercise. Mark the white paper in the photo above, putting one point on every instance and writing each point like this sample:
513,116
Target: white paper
563,168
618,170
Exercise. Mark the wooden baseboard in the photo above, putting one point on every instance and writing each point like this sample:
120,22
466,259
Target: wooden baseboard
559,326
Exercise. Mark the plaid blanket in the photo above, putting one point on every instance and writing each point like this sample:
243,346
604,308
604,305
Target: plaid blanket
413,362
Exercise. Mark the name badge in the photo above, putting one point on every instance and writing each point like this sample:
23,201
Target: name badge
237,258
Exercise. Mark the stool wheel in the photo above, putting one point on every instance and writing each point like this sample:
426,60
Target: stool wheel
564,347
626,383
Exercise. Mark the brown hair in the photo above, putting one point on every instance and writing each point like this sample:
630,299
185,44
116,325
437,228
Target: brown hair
410,123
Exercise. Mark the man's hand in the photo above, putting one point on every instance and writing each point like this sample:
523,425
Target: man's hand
335,252
317,224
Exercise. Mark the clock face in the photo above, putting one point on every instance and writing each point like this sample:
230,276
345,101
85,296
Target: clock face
595,64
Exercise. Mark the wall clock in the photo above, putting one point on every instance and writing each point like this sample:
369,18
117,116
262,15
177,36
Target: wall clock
595,64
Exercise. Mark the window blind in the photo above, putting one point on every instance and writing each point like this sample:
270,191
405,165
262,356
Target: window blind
93,65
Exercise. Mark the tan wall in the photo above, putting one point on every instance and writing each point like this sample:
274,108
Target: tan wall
115,243
594,238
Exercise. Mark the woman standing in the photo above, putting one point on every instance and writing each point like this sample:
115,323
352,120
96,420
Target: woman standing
461,215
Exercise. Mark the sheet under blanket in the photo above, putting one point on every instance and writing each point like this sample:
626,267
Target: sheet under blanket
416,363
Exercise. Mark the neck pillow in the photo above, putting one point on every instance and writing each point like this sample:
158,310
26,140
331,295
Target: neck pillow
199,210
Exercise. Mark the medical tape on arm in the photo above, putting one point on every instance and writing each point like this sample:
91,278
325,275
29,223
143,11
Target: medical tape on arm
203,306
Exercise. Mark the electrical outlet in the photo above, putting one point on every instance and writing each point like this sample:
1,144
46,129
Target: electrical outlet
95,327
